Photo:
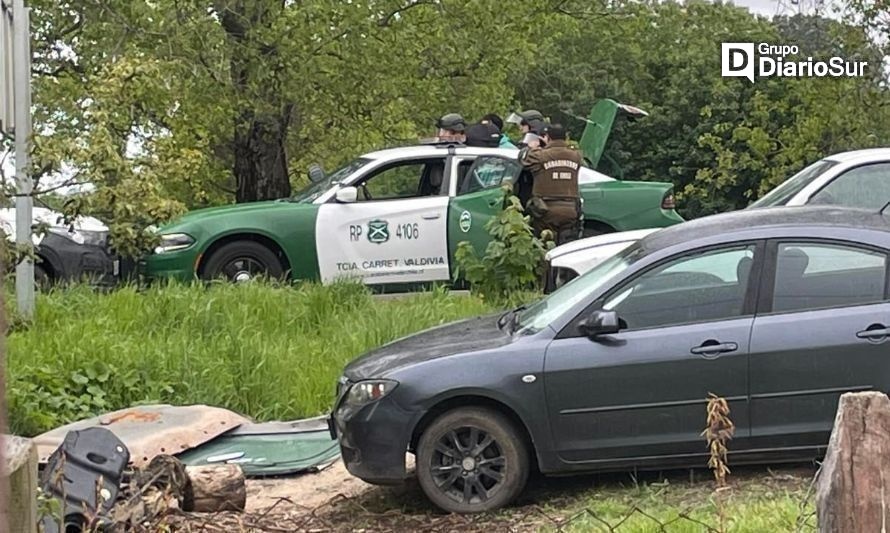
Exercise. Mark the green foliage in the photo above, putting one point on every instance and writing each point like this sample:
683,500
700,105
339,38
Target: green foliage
722,141
267,352
513,258
166,106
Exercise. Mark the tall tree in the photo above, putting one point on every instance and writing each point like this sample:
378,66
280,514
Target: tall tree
167,105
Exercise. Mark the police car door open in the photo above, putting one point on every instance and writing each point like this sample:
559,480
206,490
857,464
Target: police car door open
394,233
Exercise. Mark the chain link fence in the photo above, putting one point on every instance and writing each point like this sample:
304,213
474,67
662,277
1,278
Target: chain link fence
343,513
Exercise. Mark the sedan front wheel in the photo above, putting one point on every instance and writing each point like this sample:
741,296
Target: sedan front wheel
471,460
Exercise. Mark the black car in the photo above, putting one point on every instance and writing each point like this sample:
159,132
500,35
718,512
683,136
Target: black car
777,310
67,253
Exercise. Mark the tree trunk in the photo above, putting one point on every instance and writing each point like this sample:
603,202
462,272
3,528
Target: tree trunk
853,489
215,488
261,125
260,158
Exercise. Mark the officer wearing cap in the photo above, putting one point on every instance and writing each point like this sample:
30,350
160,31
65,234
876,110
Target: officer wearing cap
555,202
503,141
452,127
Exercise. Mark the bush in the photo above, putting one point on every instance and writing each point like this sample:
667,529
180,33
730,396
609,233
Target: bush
513,259
269,353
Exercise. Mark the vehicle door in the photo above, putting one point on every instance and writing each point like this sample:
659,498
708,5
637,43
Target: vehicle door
865,187
822,330
395,231
477,198
643,392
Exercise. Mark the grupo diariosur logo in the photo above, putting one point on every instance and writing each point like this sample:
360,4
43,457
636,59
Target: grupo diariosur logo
739,60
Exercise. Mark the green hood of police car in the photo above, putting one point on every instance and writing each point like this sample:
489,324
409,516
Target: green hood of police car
252,215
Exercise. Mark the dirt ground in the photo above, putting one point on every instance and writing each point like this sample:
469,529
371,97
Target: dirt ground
305,491
333,500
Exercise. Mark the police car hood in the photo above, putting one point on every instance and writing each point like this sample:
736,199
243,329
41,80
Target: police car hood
464,336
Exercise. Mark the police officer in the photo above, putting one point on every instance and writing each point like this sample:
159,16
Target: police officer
555,203
452,127
531,123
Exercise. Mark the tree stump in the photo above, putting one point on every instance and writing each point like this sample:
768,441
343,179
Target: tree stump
853,489
215,488
20,473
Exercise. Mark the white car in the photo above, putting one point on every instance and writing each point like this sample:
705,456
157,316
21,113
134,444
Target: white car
566,262
860,178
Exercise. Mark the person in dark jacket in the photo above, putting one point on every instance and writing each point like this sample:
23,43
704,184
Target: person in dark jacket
555,202
485,135
504,141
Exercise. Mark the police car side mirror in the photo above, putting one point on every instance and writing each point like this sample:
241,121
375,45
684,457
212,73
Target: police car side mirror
346,195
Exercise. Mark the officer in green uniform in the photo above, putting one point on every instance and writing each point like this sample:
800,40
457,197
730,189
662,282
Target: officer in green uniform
555,203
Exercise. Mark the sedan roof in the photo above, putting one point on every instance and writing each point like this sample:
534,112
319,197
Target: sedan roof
867,153
763,218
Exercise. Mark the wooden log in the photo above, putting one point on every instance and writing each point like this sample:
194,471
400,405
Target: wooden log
20,478
853,489
215,488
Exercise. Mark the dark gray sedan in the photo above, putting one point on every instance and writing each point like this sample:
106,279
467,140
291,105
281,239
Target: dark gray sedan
778,310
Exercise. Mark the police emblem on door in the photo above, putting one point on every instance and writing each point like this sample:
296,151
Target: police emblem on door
466,221
378,231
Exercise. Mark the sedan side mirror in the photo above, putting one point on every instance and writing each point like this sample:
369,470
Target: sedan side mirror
600,323
316,173
346,195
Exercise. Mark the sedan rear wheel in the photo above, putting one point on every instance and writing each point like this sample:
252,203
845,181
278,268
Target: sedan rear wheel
472,460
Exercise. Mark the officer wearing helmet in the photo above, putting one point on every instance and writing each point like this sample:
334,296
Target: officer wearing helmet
452,127
555,202
531,124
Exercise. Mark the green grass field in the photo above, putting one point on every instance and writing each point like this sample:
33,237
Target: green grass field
267,352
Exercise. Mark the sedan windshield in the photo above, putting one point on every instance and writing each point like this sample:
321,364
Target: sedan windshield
542,313
782,194
314,190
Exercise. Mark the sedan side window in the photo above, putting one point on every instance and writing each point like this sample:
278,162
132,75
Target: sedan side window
699,288
819,276
866,187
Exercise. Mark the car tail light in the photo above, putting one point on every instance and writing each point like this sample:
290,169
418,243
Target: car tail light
669,202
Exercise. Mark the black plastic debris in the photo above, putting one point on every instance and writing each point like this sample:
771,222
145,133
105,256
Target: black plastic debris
84,476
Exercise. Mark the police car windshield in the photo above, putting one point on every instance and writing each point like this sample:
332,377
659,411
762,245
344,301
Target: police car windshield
314,190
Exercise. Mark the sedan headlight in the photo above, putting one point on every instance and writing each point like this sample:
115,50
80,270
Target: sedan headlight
174,241
369,391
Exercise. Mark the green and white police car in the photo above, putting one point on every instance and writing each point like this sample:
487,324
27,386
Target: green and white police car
392,217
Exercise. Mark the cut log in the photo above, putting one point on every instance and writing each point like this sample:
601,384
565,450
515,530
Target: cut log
853,489
20,474
215,488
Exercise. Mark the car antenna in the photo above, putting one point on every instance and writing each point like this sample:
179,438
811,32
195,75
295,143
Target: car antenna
883,210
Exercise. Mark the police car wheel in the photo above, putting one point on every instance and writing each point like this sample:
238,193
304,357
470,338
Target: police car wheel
592,229
243,261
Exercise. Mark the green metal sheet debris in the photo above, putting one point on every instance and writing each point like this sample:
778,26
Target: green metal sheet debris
269,449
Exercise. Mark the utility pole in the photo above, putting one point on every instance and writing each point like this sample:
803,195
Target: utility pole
15,115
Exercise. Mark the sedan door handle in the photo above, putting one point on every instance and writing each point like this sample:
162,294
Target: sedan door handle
874,332
430,217
713,348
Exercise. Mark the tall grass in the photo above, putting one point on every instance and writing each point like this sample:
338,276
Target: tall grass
267,352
